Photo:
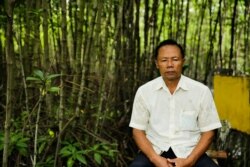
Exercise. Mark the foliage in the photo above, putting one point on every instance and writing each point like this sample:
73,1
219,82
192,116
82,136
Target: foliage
18,143
74,152
43,81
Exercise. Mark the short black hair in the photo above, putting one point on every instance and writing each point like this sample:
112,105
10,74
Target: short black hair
168,42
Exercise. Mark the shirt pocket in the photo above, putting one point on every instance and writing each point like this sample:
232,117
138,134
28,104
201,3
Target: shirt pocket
188,120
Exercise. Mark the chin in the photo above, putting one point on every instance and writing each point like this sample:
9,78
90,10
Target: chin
172,78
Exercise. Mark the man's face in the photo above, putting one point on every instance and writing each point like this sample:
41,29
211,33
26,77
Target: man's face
170,62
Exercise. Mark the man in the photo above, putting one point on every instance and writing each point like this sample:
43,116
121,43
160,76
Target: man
173,117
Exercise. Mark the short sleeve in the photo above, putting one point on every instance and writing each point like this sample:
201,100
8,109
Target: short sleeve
208,118
140,112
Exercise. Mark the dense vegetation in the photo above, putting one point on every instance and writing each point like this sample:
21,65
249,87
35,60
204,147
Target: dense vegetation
69,70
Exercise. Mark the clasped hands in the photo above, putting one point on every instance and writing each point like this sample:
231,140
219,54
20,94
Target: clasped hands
176,162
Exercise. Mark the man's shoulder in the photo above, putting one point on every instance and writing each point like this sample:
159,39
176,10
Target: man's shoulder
152,84
194,83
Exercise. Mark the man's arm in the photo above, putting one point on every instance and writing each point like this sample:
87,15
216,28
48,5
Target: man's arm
202,146
146,147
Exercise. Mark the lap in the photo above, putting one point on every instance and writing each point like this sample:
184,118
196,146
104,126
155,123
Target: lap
142,161
205,161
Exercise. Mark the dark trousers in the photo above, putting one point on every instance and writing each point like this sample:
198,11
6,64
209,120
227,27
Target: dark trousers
142,161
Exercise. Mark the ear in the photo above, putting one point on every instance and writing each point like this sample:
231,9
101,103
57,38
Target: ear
156,64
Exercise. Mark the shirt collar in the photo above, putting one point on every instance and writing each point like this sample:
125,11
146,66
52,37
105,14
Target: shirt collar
182,83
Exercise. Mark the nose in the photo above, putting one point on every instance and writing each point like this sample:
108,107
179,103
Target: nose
169,63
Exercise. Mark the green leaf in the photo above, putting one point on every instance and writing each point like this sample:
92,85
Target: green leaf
98,158
105,147
21,144
23,151
14,138
33,79
39,74
65,152
54,89
40,149
81,158
70,162
103,152
53,76
96,147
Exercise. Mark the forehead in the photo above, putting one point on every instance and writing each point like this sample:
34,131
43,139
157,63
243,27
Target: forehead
169,51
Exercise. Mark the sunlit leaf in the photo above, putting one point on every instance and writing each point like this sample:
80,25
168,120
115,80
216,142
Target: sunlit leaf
42,146
98,158
70,162
39,74
54,89
81,158
53,76
32,79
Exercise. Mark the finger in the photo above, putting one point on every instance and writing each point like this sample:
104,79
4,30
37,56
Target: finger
170,165
171,160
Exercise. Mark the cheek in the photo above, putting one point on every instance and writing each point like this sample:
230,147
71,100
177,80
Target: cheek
178,67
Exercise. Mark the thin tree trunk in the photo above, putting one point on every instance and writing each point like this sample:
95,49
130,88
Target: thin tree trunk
25,87
246,37
220,37
233,28
10,60
34,159
146,49
78,57
137,41
102,67
46,50
118,51
204,4
186,27
45,59
87,54
170,27
63,60
162,20
179,17
35,45
212,35
153,37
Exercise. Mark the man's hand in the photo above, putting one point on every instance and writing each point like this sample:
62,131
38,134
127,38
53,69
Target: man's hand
160,161
180,162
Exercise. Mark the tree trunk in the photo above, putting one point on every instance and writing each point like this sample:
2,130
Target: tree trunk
186,27
246,37
63,62
170,25
46,50
162,20
10,60
78,57
212,35
203,9
233,28
220,36
153,41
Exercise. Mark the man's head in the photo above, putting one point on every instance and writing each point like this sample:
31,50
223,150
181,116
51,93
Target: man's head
169,59
168,42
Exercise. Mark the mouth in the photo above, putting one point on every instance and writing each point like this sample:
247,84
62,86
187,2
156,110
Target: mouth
170,72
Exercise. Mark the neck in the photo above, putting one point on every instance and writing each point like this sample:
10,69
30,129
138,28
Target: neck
172,84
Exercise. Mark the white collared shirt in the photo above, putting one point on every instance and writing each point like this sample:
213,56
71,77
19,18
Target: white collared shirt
174,120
